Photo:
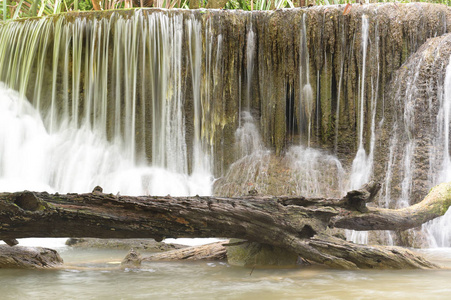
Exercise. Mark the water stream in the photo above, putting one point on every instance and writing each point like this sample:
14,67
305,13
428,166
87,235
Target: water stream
94,274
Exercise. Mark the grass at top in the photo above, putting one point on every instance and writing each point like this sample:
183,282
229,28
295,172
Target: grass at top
14,9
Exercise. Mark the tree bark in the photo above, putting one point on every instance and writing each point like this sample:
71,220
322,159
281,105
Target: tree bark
213,251
294,223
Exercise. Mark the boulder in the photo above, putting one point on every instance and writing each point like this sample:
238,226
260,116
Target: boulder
132,260
19,257
251,254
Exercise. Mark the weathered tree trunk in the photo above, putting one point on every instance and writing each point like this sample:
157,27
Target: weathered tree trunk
294,223
213,251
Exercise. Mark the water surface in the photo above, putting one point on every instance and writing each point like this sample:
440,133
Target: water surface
96,274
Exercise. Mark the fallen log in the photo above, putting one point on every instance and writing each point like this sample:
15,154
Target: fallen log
295,223
213,251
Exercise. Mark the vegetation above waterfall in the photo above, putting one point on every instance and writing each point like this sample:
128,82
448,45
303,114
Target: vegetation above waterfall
14,9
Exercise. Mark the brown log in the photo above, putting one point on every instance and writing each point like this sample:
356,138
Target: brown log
213,251
434,205
294,223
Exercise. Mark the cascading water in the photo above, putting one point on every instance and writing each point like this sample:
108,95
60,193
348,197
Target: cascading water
73,160
93,140
362,163
440,229
308,171
306,91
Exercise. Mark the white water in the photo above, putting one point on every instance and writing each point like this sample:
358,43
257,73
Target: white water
362,165
306,91
250,54
439,230
71,160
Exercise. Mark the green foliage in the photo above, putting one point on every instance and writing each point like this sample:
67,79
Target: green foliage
13,9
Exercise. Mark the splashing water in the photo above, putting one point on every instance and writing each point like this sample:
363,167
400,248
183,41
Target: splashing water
71,160
440,229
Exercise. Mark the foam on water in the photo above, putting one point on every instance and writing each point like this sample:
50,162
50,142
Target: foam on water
75,160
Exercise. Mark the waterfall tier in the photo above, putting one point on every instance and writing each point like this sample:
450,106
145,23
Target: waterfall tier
169,85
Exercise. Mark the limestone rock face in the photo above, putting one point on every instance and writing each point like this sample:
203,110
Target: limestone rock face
19,257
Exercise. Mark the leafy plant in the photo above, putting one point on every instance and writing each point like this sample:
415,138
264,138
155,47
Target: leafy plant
13,9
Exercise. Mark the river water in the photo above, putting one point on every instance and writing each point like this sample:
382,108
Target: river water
96,274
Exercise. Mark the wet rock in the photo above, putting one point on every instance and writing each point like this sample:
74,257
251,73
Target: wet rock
132,260
149,245
249,254
19,257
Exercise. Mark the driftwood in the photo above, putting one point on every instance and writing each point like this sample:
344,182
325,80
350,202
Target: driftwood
295,223
213,251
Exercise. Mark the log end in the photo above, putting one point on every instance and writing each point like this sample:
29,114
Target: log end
27,201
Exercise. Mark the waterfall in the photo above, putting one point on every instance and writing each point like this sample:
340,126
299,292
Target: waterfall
74,160
440,229
115,88
250,57
362,164
340,85
306,91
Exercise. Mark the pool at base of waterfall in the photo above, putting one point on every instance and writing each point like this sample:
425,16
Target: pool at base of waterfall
96,274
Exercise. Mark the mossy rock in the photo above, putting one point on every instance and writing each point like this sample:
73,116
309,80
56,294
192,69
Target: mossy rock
251,254
19,257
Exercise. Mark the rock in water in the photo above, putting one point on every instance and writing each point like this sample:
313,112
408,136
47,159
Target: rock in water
251,254
132,260
19,257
